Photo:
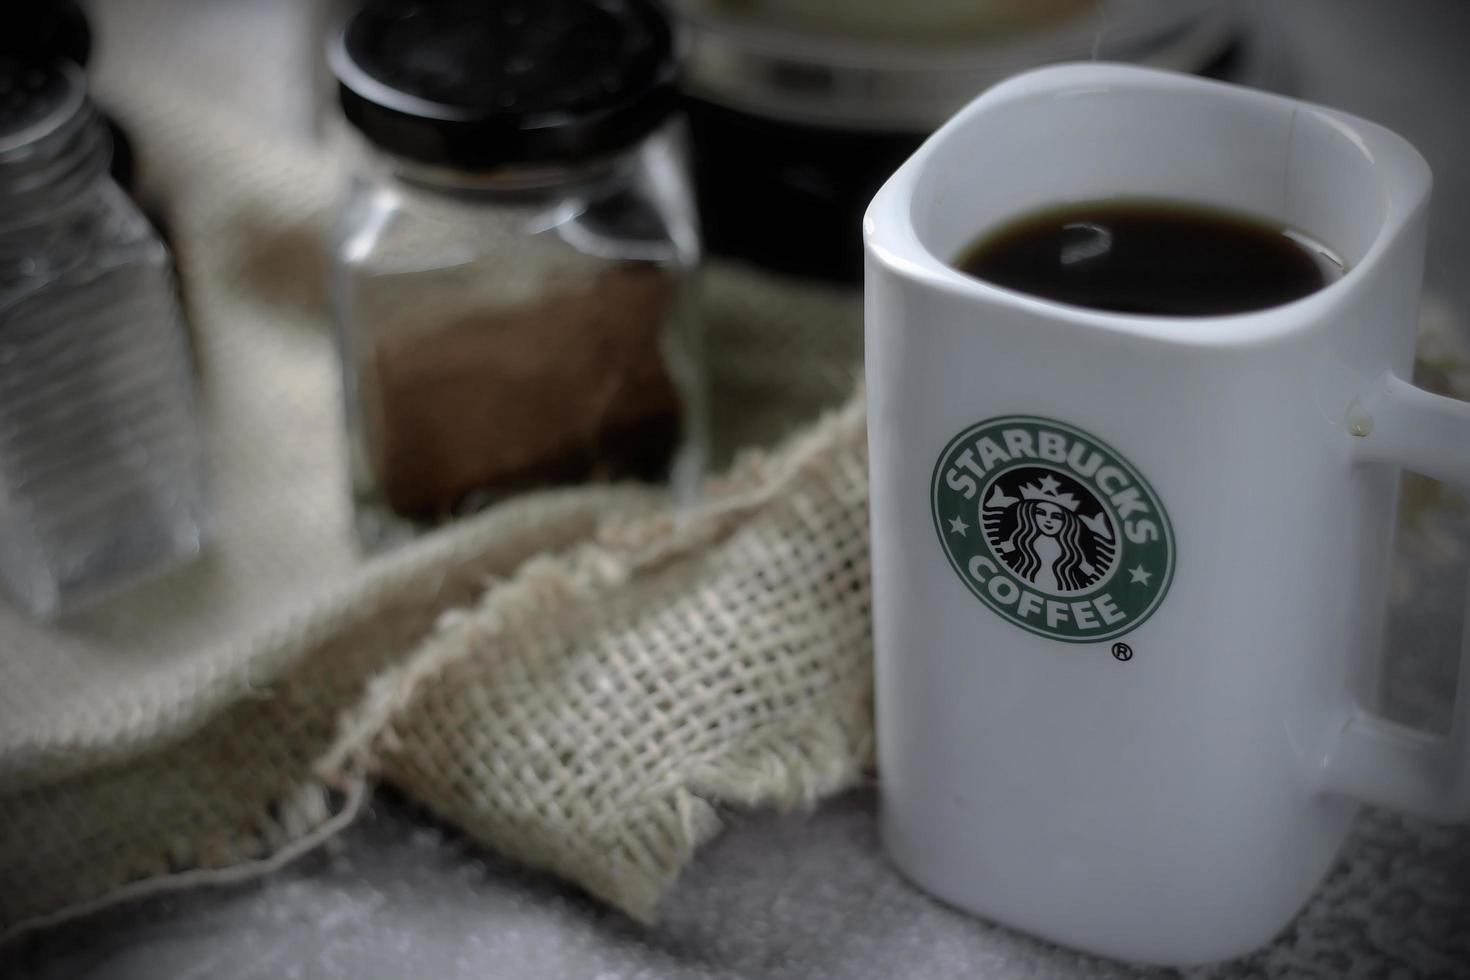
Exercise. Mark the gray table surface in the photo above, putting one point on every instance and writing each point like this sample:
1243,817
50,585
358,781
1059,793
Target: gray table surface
809,895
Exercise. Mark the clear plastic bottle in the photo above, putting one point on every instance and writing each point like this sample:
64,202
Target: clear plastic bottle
511,265
101,463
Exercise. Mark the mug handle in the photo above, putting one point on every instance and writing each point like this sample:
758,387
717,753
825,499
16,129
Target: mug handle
1376,760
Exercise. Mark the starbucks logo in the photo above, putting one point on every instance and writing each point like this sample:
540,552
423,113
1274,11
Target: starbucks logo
1052,529
1049,529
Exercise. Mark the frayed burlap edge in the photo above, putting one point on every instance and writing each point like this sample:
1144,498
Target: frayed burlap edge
78,842
308,821
645,851
810,760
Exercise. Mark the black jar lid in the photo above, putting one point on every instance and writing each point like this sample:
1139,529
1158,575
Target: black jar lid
480,84
44,30
51,135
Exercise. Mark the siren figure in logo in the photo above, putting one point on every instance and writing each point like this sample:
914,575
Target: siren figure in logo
1042,537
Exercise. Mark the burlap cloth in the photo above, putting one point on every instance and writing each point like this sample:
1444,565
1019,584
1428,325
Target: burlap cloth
611,671
577,680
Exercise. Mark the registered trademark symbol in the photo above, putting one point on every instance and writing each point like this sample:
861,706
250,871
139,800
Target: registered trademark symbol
1122,652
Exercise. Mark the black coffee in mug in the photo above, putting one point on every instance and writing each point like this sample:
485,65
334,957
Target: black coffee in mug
1157,257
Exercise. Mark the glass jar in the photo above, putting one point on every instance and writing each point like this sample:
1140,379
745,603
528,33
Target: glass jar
101,461
512,255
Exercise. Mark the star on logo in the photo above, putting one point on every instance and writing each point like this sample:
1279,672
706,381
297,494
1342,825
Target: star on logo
1049,484
1137,574
957,525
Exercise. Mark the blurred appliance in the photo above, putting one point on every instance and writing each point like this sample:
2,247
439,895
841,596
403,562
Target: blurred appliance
800,109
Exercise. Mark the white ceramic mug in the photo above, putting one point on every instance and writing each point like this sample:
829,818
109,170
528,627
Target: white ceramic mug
1145,736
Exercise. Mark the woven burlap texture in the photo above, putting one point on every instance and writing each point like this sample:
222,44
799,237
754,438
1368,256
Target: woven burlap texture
622,669
587,717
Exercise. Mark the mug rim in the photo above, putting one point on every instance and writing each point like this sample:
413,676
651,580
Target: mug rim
889,236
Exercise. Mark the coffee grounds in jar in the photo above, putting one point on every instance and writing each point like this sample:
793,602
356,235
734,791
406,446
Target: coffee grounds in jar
565,387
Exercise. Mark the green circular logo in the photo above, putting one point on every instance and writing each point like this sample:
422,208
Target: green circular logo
1051,528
